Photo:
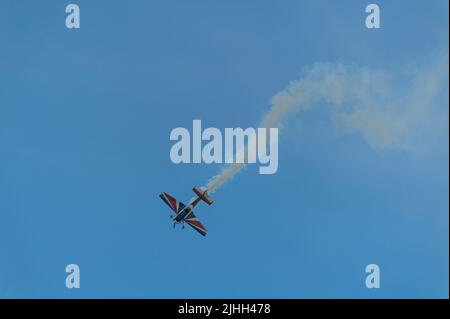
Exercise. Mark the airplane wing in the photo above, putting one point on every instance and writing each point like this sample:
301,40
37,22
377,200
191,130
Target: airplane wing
172,202
193,221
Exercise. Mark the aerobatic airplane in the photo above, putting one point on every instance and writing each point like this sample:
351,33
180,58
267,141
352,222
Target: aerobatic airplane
186,213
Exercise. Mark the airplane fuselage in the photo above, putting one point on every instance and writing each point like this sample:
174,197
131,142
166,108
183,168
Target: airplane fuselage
186,211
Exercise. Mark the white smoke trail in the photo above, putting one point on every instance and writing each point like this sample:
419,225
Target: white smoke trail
361,99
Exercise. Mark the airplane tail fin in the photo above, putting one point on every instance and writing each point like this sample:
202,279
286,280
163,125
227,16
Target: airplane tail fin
203,194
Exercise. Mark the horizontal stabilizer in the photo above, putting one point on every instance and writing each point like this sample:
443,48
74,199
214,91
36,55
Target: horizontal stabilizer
203,194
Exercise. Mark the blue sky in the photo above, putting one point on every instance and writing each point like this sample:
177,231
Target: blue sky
85,118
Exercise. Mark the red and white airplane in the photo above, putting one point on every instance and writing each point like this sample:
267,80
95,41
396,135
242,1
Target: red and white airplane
186,213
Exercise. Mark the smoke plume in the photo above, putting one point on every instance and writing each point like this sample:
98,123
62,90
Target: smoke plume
390,113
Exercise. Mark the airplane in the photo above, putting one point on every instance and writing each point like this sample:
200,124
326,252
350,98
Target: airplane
186,213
